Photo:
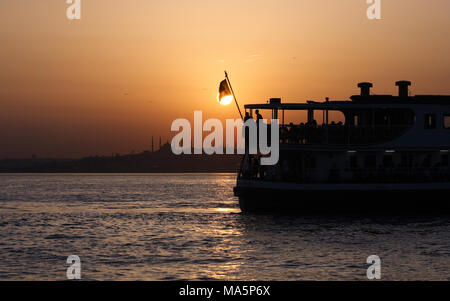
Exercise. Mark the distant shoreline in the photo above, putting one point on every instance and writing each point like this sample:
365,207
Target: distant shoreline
161,161
123,172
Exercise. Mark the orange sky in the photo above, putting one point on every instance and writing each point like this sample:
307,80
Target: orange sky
107,83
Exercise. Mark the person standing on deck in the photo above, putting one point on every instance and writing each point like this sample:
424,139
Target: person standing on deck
258,118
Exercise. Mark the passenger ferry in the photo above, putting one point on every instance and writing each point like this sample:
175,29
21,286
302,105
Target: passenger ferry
387,154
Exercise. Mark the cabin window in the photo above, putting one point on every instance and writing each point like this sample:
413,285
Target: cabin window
430,121
353,162
404,160
311,163
427,161
388,160
446,121
356,120
370,161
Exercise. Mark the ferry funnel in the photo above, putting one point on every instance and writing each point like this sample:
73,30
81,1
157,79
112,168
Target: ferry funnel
403,87
365,88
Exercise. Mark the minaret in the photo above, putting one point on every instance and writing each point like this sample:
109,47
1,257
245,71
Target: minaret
153,145
160,143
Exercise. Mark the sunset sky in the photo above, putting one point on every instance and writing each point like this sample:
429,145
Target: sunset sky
108,82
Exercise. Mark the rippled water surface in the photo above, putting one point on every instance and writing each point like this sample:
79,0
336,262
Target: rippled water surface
189,226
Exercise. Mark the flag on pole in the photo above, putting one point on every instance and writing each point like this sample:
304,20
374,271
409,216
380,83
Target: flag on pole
224,96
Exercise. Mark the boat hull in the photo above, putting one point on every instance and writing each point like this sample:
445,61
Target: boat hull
269,197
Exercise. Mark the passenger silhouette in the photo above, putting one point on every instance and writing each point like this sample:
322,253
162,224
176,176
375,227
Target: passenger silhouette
247,133
247,116
258,117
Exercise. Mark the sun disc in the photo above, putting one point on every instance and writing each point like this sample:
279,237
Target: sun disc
226,100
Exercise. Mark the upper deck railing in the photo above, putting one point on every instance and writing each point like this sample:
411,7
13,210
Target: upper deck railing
339,134
362,124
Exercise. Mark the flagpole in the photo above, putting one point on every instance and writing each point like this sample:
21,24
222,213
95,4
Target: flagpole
234,96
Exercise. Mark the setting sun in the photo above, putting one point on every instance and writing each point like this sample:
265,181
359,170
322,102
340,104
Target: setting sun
226,100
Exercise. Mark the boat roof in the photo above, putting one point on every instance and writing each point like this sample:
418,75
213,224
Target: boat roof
357,102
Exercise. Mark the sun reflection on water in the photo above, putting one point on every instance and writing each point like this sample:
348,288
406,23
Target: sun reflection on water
227,210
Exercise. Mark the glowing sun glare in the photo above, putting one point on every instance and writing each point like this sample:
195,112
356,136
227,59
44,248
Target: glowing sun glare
226,100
